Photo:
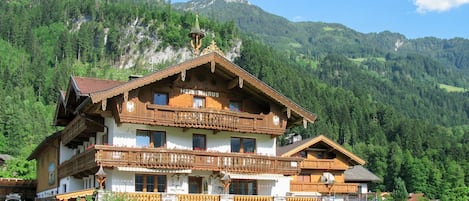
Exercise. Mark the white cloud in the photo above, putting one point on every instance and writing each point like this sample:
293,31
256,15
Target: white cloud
438,5
298,19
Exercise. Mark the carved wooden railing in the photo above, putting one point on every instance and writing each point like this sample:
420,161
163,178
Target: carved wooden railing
303,199
76,195
137,196
83,162
252,198
110,156
324,188
206,119
80,126
323,164
197,197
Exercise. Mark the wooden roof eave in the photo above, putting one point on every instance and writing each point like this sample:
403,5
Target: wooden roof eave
213,59
45,143
329,142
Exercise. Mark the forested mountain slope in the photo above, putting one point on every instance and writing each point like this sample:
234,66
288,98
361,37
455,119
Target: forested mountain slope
385,106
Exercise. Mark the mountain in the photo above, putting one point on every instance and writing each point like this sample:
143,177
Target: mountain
387,63
318,38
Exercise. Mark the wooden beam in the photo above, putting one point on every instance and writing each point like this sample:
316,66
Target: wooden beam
288,112
212,66
126,96
183,75
104,104
305,123
235,82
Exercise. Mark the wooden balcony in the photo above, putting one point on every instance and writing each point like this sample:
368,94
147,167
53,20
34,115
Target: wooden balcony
323,164
195,160
219,120
80,165
79,129
111,156
324,188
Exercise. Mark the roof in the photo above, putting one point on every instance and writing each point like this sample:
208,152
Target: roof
296,147
216,61
415,196
358,173
85,85
45,143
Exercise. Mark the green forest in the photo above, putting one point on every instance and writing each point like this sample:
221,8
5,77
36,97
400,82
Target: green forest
387,107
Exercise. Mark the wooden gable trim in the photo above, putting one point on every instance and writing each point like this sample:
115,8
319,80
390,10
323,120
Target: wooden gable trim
212,58
269,91
329,142
139,82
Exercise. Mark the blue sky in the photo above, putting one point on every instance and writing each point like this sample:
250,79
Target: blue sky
413,18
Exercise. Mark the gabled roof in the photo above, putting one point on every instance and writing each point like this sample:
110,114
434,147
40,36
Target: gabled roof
79,88
45,143
359,173
296,147
85,85
216,62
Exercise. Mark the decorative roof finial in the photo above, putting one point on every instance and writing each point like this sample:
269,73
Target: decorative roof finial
196,36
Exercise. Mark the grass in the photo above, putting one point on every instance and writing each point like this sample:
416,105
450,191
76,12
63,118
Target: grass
450,88
362,59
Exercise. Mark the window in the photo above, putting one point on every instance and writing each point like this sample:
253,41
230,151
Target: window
235,106
147,183
243,187
199,102
160,99
195,184
199,142
243,145
147,138
143,139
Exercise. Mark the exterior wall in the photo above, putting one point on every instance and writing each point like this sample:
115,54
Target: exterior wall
47,163
65,153
176,138
363,188
278,187
120,181
70,184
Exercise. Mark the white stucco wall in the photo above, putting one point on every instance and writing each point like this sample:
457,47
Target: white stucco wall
176,138
120,181
65,153
72,184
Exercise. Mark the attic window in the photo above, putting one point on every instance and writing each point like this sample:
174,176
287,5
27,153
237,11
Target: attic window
160,98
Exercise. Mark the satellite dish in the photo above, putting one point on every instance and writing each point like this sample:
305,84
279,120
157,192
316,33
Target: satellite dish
327,178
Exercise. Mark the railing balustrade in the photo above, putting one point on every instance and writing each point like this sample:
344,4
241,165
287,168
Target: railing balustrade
114,156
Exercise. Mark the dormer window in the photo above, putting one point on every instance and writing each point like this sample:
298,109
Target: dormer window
160,98
199,102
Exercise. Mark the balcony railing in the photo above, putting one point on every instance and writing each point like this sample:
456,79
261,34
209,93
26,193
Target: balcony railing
206,119
80,127
324,188
79,165
323,164
112,156
153,196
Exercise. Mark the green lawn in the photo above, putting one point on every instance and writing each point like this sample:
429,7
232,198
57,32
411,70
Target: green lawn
450,88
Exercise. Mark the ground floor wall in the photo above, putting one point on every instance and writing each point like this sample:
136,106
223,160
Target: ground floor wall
188,182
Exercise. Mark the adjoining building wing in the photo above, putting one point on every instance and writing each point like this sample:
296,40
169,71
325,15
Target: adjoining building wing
327,168
360,174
